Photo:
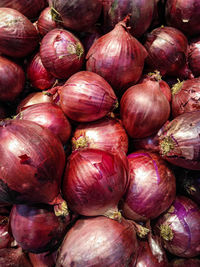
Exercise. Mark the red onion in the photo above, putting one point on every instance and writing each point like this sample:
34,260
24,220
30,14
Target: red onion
99,242
140,106
91,97
180,141
12,79
89,37
13,257
50,116
61,53
185,96
18,36
5,237
179,228
141,14
95,181
151,182
195,262
32,163
168,49
117,50
36,228
194,56
107,134
76,15
46,259
39,77
183,15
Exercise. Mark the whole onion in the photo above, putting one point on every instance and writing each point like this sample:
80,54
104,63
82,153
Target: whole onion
183,15
179,228
14,257
32,163
18,36
12,79
62,53
91,97
99,242
185,96
167,49
180,141
194,262
95,181
107,134
46,259
118,57
76,15
140,106
39,77
141,14
36,228
151,182
5,237
50,116
194,56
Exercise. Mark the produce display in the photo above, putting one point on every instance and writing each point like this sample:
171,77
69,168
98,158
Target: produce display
99,133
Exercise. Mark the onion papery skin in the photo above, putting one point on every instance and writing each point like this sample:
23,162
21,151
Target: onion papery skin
185,97
46,23
88,12
141,14
151,182
5,237
18,36
30,9
107,134
99,242
95,181
194,56
167,49
140,106
117,50
13,257
39,77
12,79
46,259
50,116
183,15
91,97
36,228
180,141
32,163
179,228
195,262
62,53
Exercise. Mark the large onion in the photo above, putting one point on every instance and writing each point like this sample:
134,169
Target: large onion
118,57
18,36
99,242
194,56
91,97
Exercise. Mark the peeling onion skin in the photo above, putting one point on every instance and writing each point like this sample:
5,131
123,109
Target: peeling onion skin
179,228
194,56
180,141
194,262
32,163
152,186
98,242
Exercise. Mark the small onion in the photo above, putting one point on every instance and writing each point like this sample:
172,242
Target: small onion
107,134
118,57
91,97
194,56
5,237
61,53
18,36
140,106
151,182
194,262
179,228
99,242
39,77
12,79
14,257
95,181
46,259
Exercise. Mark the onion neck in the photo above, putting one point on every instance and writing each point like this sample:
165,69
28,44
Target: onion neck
166,232
155,75
55,15
81,142
113,214
177,87
79,50
167,145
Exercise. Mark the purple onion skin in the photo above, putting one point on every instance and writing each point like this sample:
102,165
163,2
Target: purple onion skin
194,56
62,53
183,15
185,97
195,262
180,141
18,36
179,228
5,237
141,14
98,242
13,257
32,163
151,182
